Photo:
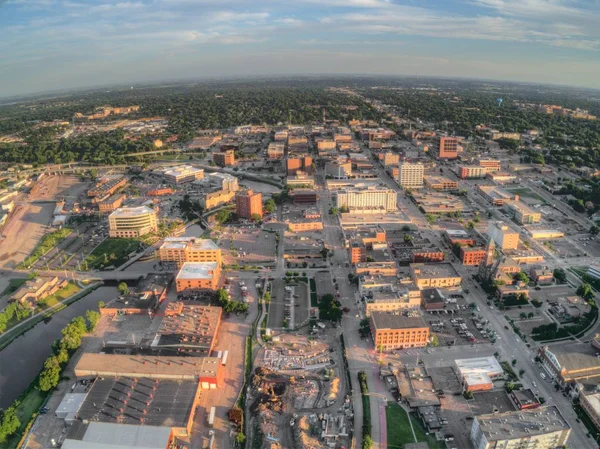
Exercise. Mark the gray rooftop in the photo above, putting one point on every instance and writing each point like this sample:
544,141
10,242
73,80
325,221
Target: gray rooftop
383,320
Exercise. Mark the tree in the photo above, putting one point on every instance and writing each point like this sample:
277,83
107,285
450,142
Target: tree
364,329
585,291
509,386
560,275
514,362
334,211
123,288
92,318
470,225
594,230
9,423
256,217
221,296
407,238
430,218
270,207
223,216
330,308
50,375
530,315
435,340
521,276
240,438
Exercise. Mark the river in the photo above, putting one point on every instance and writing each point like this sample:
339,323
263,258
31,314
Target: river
22,360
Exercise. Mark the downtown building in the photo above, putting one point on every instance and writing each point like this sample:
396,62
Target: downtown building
132,222
367,200
410,176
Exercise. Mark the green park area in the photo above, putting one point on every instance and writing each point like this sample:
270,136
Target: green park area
399,432
68,290
113,252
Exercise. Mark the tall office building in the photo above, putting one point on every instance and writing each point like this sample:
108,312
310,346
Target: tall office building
447,148
411,175
248,203
503,235
132,222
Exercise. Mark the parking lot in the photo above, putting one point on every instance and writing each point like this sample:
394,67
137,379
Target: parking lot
247,245
289,305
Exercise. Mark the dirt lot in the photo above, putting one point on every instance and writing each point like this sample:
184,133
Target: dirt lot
55,188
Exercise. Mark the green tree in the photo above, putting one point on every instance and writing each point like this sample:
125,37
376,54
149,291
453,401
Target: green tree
407,238
334,211
594,230
270,207
585,291
92,318
221,296
101,304
560,275
521,277
435,341
330,308
256,217
240,438
430,218
223,216
50,375
123,288
9,423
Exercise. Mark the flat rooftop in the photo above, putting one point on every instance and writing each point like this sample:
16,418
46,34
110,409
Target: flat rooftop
197,270
487,365
154,367
193,242
131,211
436,270
139,401
522,423
183,169
97,435
382,320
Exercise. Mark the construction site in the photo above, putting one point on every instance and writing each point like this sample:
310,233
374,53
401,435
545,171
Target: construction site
298,396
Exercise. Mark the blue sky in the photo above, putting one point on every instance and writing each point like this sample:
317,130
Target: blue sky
56,44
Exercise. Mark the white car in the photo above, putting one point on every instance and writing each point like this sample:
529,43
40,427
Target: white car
543,376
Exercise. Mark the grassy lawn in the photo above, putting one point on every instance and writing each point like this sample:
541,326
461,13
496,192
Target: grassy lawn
48,242
527,193
111,252
13,286
54,299
399,433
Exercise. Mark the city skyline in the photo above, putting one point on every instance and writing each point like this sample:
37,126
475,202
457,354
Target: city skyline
55,44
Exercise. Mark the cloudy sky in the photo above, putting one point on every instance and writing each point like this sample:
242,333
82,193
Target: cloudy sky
56,44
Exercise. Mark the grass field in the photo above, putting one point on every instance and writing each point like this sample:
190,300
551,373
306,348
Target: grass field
399,432
65,292
527,193
111,252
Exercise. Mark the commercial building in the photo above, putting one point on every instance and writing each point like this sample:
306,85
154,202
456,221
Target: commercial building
338,169
207,370
471,171
472,256
162,191
224,181
111,203
571,363
248,204
37,289
538,233
410,176
590,403
326,146
132,222
224,158
187,329
524,399
461,236
490,165
427,255
300,180
210,200
399,298
398,332
388,158
370,199
502,177
434,275
106,188
182,174
197,276
178,250
522,213
540,428
305,196
478,374
440,183
275,150
296,163
542,276
503,235
496,195
447,148
437,203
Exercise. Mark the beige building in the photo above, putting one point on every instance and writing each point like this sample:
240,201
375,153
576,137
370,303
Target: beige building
275,150
522,213
211,200
183,173
591,404
434,275
371,199
393,301
390,158
132,222
178,250
539,428
503,235
440,183
410,176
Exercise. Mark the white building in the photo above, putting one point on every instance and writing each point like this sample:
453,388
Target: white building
410,176
183,173
224,181
371,199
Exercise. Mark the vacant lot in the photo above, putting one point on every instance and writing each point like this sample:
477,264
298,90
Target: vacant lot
526,195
